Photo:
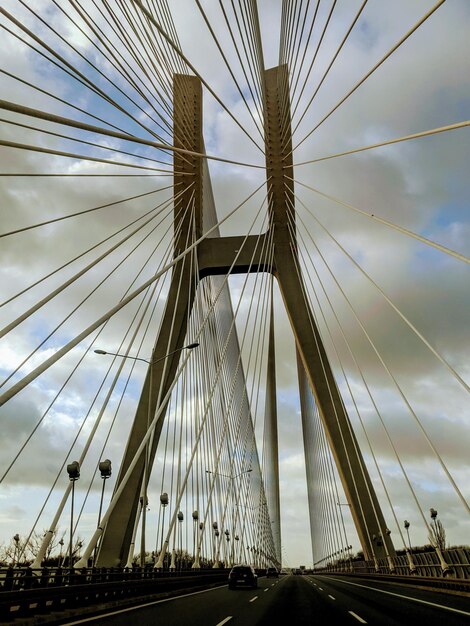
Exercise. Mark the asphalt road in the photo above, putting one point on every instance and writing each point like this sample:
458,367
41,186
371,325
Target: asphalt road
294,600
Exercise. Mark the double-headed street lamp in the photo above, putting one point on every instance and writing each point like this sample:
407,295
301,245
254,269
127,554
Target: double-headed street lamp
151,362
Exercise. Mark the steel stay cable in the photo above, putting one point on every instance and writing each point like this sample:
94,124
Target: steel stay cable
80,140
54,97
259,43
262,306
211,30
144,31
50,532
285,101
98,532
425,133
385,222
161,207
84,452
159,563
382,530
325,74
299,43
75,72
282,32
399,389
254,98
82,157
139,4
377,410
317,50
116,63
245,41
73,175
17,108
157,95
294,67
371,71
71,344
6,329
48,537
80,213
293,43
389,301
153,51
299,73
231,394
348,425
351,352
251,49
95,68
84,299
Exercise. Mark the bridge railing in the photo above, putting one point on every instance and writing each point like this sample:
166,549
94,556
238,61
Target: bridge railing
426,564
26,592
22,578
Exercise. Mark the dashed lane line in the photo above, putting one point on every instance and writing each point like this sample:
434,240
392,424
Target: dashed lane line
253,599
332,597
359,619
224,621
267,589
399,595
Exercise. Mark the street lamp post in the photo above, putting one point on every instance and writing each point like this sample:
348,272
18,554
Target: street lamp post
143,496
16,554
73,470
438,543
195,520
407,527
105,471
409,556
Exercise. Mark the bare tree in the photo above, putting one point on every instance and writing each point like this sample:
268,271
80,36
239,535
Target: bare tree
437,536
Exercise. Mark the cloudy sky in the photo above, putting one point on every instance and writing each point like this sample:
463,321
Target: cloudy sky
420,185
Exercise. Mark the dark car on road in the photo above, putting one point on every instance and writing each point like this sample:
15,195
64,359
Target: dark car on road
242,575
272,572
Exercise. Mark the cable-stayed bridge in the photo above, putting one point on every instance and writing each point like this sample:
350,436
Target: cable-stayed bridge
199,200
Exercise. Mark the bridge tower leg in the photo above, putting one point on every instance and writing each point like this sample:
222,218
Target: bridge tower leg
353,472
188,189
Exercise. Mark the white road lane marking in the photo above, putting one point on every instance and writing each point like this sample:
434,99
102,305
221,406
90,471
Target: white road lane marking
140,606
399,595
253,599
224,621
266,590
321,588
332,597
359,619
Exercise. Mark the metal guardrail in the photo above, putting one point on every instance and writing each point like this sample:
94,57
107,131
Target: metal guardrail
426,565
29,592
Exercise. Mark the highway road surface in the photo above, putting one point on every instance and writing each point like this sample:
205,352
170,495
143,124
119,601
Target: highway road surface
293,600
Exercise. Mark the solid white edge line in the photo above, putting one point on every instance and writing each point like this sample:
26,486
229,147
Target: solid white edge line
139,606
253,599
359,619
398,595
224,621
